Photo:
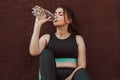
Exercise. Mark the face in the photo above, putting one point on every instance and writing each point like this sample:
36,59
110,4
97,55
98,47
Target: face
60,18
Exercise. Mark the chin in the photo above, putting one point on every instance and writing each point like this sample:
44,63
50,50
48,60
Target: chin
57,24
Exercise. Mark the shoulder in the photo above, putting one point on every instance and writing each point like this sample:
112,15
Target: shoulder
45,37
79,39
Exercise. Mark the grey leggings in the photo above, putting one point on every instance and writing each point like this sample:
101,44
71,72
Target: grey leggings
49,71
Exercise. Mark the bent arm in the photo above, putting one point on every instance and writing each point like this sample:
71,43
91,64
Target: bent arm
81,54
36,44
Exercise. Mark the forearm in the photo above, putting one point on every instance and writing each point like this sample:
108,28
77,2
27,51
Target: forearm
34,44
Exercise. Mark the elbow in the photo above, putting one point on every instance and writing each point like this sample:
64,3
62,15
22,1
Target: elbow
82,66
33,52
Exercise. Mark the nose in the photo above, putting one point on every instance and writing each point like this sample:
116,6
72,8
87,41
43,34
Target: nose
56,15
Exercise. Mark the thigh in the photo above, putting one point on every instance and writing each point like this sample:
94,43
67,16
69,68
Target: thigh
63,73
81,74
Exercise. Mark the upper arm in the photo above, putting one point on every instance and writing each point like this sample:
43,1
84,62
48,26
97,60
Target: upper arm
81,51
43,42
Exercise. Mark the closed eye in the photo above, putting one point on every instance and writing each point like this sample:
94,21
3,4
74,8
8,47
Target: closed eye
59,13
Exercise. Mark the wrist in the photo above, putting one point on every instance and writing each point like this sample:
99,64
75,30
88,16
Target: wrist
38,24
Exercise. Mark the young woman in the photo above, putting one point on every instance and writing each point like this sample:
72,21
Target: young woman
64,43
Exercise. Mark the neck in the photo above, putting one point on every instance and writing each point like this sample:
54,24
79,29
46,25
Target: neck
62,32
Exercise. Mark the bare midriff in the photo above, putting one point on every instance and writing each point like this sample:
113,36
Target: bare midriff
66,64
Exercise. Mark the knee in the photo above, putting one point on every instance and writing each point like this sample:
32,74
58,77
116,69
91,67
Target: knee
47,54
81,74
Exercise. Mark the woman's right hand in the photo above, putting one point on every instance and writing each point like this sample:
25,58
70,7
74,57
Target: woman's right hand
41,18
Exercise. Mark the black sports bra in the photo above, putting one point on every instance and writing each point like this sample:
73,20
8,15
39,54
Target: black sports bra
63,48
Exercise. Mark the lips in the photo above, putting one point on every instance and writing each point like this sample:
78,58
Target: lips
55,20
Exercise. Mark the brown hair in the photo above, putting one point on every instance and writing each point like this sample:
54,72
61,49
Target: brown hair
70,15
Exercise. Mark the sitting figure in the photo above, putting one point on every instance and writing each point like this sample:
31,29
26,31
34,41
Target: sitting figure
62,53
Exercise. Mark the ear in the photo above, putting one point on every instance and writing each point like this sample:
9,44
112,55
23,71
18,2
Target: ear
69,21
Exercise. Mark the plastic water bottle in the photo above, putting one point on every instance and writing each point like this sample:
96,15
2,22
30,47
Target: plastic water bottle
36,12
